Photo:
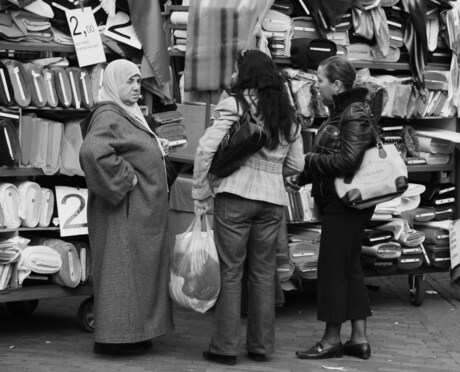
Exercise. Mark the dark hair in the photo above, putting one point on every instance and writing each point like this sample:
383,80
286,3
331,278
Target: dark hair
339,68
256,71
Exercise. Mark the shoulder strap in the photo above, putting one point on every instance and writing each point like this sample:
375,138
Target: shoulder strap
374,131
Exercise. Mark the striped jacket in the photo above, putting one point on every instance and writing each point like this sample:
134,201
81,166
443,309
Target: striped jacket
260,177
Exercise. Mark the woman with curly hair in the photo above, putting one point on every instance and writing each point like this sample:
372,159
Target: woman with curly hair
248,205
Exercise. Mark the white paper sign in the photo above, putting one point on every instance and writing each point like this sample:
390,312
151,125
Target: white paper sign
85,35
71,207
120,27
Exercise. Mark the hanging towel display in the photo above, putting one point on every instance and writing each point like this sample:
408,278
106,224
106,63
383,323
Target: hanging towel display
50,86
26,133
9,201
71,143
62,86
39,259
6,88
46,207
85,260
19,81
74,74
10,150
30,196
5,275
86,88
97,76
70,273
37,85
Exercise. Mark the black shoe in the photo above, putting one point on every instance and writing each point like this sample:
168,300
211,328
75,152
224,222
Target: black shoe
362,351
256,356
218,358
119,349
319,352
147,344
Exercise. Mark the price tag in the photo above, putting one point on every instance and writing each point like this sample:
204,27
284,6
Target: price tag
120,27
71,206
85,35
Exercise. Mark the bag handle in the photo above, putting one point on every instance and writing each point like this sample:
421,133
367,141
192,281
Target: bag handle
378,141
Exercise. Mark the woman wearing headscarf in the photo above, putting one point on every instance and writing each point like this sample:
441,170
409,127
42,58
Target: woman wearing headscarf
123,162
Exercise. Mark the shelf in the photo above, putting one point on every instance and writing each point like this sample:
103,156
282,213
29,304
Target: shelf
35,292
20,172
19,229
177,8
34,46
430,168
401,66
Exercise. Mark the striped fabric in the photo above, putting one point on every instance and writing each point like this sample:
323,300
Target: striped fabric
217,30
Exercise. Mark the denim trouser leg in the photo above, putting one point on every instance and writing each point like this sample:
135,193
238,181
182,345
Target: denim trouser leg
261,283
243,228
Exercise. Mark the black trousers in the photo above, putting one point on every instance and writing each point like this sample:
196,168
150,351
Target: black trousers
342,293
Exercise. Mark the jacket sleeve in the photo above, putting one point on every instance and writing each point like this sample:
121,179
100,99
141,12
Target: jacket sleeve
108,175
295,161
355,137
225,114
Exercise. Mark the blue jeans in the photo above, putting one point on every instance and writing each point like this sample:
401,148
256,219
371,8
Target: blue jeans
245,230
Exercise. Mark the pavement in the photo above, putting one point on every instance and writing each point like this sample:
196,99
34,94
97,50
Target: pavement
403,337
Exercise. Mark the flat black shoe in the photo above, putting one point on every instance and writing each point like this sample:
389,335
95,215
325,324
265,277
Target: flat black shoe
256,356
362,351
319,352
218,358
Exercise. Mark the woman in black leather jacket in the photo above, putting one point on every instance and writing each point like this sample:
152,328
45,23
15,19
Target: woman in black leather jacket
338,149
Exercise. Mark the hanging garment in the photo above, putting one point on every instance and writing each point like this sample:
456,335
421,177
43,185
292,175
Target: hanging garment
217,31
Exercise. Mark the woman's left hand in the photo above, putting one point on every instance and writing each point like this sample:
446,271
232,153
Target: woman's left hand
165,144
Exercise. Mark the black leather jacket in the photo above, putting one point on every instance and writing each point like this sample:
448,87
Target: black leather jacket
340,142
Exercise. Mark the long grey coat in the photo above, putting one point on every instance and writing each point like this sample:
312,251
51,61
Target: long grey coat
127,229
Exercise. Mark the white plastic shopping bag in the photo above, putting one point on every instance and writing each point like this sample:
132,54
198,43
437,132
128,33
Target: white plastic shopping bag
195,273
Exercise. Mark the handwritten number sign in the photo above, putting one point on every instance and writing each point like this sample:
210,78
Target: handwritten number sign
71,206
120,27
85,35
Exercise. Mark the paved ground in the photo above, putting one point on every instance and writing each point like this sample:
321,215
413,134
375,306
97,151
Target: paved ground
403,337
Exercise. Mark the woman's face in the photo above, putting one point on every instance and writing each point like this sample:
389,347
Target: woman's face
326,88
130,92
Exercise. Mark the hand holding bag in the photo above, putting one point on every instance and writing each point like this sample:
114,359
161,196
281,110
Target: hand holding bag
382,176
245,137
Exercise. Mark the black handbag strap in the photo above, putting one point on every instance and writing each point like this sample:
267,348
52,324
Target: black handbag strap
378,140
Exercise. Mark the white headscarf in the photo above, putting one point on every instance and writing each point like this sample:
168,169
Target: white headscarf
116,74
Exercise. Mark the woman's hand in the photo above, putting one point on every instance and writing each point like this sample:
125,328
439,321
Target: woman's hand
291,183
165,144
203,206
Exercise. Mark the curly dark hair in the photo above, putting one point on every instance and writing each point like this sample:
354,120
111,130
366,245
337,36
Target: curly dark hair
256,71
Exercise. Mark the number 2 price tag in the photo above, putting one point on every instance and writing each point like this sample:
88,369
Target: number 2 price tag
71,206
120,27
85,35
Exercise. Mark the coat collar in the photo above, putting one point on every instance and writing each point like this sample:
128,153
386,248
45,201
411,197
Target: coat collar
345,99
